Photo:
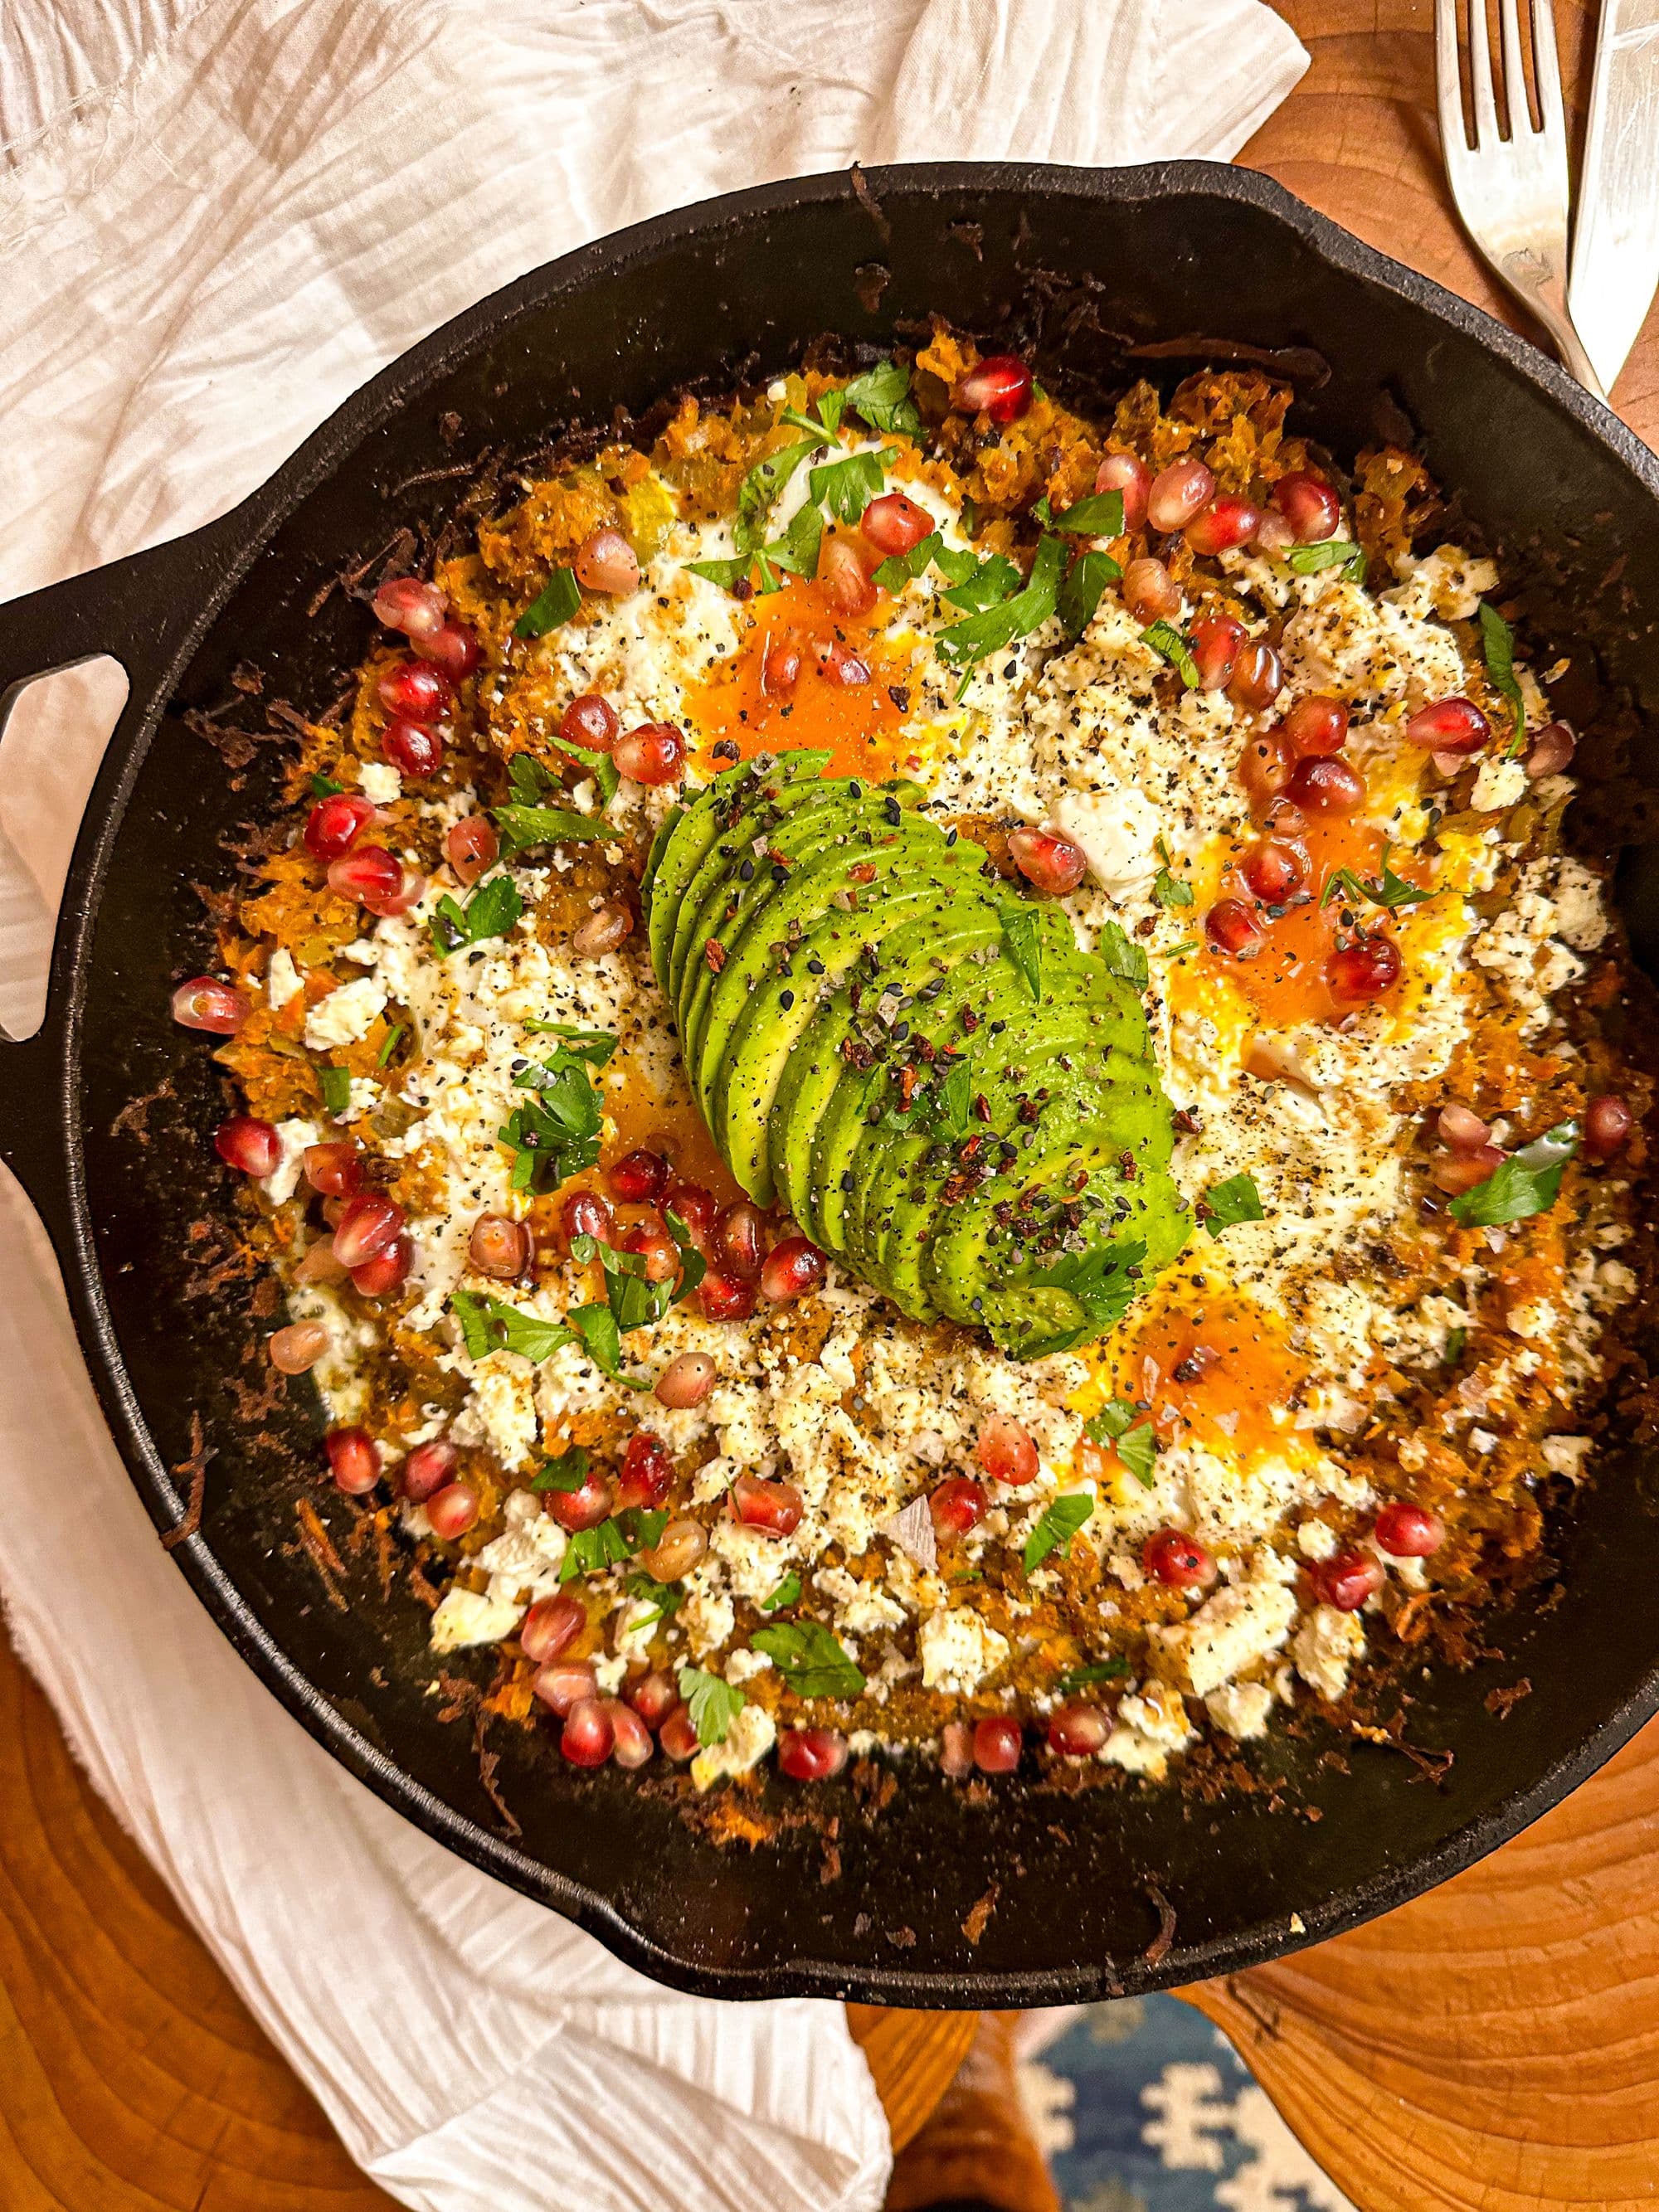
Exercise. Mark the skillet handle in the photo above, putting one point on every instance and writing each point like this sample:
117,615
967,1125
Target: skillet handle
144,612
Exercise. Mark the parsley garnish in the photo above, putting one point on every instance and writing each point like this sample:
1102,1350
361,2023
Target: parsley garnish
830,407
846,487
787,1593
1391,892
1104,1281
600,1336
809,1658
1124,958
1100,515
337,1088
594,1046
714,1703
759,492
1079,592
969,642
323,787
725,573
565,1472
490,912
1054,1531
797,550
1498,643
1179,951
389,1047
954,564
1022,941
1170,642
555,1132
522,826
1097,1670
491,1325
558,600
1333,553
665,1599
940,1110
1527,1182
882,396
1167,889
1235,1199
592,1550
1128,1428
985,583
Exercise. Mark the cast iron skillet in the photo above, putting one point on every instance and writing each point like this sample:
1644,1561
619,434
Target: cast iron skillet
1086,266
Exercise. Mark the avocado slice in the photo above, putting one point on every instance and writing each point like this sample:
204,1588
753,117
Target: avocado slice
689,832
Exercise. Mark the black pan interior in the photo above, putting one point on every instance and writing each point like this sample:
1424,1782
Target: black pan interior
1071,1889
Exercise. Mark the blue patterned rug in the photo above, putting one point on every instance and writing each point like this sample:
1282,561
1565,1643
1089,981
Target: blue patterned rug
1143,2106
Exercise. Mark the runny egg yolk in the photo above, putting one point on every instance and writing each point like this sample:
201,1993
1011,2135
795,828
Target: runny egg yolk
860,725
1219,1374
1285,982
636,1116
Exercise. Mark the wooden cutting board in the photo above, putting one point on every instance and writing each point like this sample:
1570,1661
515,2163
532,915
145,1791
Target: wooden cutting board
1495,2045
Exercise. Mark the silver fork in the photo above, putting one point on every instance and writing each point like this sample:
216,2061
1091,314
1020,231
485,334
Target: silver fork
1511,187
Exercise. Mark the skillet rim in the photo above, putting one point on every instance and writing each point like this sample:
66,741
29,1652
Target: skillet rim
201,573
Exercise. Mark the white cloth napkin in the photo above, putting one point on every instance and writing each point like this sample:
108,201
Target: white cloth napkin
218,217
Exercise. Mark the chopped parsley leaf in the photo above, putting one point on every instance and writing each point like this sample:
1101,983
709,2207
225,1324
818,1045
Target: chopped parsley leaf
787,1594
1527,1182
714,1703
1128,1428
1097,1670
882,396
1125,958
1099,515
1021,939
1497,644
1235,1199
1054,1531
1333,553
559,599
1172,646
491,911
337,1088
812,1663
565,1472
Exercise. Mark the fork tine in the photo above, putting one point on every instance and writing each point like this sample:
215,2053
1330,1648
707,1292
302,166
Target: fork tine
1548,72
1454,131
1483,103
1515,68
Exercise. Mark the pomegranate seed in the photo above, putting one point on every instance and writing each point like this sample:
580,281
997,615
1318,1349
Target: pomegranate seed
584,1507
792,1269
604,561
676,1739
997,1745
355,1457
413,692
685,1381
780,667
1364,971
550,1624
1607,1123
1348,1580
631,1744
591,722
1552,750
405,603
647,1471
1174,1557
1078,1731
1053,864
639,1178
1258,678
840,665
585,1213
1150,592
451,1511
956,1504
676,1552
1405,1531
699,1209
1277,871
334,1170
335,823
1455,726
604,929
956,1757
740,1240
251,1147
774,1506
999,386
1266,766
1317,726
650,1241
1231,929
366,870
387,1271
1456,1172
564,1683
429,1467
1273,533
1228,521
1123,473
654,753
1308,505
1008,1452
320,1265
412,748
1216,639
471,845
296,1349
204,1003
1326,787
893,523
1177,494
1463,1130
452,648
721,1297
812,1754
398,897
589,1736
841,578
653,1696
368,1224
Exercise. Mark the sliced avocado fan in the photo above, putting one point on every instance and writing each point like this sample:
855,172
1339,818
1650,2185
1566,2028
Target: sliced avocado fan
951,1097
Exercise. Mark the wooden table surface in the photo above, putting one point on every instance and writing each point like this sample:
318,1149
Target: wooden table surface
1494,2045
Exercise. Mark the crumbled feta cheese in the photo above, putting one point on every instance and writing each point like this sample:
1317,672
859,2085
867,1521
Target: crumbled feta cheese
1500,783
1324,1648
1229,1631
346,1016
749,1737
379,781
957,1651
1149,1725
280,1185
282,980
1241,1709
